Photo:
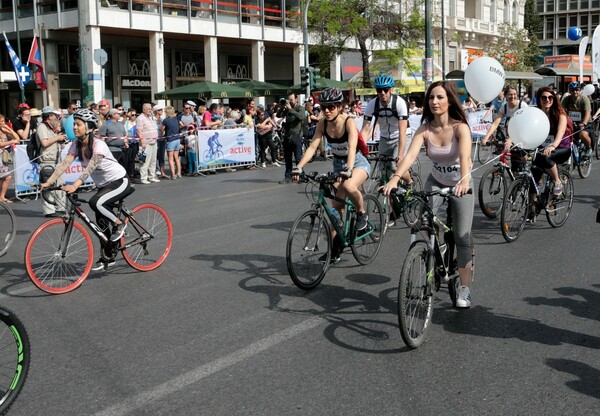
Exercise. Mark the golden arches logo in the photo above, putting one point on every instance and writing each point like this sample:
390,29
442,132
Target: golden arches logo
224,94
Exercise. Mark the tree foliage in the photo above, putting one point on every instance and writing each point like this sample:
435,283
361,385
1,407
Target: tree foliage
515,49
338,23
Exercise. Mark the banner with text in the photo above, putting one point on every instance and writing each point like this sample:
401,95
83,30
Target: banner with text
479,126
226,146
27,174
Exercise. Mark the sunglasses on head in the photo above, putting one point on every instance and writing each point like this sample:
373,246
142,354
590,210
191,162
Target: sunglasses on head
330,107
380,90
547,97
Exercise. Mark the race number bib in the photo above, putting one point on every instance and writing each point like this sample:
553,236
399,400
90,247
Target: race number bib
575,116
445,173
549,141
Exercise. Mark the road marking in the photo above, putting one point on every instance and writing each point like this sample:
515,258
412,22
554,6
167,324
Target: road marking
191,377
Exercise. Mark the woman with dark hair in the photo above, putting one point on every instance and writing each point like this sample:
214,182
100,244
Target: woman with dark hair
447,137
505,112
99,164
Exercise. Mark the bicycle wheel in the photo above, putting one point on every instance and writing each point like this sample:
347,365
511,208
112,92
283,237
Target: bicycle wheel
415,306
207,156
492,188
484,153
514,210
413,206
308,250
585,167
559,209
366,246
8,227
14,358
58,258
416,167
597,147
148,237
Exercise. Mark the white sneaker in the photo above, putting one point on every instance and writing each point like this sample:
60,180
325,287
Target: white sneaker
276,164
463,297
154,180
263,165
144,181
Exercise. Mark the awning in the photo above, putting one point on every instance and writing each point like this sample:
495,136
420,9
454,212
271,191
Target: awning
508,75
549,71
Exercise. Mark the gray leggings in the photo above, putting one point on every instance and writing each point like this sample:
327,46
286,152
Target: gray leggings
462,217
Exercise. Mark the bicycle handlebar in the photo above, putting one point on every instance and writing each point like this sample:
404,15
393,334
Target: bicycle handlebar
381,158
445,192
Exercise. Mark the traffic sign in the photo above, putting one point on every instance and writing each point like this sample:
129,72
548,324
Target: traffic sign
100,57
24,74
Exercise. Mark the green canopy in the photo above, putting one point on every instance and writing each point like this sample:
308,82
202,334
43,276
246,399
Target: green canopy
262,89
323,83
204,90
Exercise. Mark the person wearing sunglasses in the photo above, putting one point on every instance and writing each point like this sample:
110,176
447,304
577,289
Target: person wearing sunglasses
389,112
342,135
579,109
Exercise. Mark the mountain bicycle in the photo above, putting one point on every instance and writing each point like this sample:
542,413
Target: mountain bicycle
60,253
525,199
309,243
580,159
493,184
393,205
430,262
14,356
8,227
493,147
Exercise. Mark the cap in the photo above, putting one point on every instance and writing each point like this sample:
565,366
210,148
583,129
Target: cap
104,102
190,102
23,105
114,111
261,106
35,112
50,110
158,107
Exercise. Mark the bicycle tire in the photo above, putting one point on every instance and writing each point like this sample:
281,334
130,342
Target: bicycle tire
8,225
155,221
303,255
415,306
366,247
207,155
416,167
491,191
49,271
514,210
584,168
414,206
485,153
597,147
561,205
15,358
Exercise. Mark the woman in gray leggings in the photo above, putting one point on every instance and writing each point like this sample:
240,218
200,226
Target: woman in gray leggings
446,135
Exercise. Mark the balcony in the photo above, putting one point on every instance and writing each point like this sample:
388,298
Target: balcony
475,26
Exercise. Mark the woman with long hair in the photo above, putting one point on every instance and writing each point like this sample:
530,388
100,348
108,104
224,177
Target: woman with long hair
447,137
8,137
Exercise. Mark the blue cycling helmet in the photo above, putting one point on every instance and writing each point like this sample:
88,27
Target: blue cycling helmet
574,85
384,81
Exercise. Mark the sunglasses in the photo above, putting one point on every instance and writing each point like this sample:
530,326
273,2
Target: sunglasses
186,108
547,98
574,89
380,90
330,107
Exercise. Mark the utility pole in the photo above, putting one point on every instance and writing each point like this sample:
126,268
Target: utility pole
443,42
305,35
18,44
427,62
83,12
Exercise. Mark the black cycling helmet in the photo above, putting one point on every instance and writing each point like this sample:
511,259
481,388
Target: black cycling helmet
88,116
331,96
574,85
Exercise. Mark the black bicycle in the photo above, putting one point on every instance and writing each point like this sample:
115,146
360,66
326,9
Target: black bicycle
580,158
8,227
14,358
430,262
60,253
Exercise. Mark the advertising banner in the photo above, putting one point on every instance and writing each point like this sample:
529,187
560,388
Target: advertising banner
225,146
479,127
27,174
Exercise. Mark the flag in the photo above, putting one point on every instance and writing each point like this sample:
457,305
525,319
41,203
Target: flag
596,55
15,60
582,47
35,57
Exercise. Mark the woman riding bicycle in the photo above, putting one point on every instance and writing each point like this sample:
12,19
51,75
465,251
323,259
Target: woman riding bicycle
342,135
446,134
99,164
505,112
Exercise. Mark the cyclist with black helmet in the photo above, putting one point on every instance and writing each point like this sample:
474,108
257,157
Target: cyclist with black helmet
579,110
98,162
390,112
342,135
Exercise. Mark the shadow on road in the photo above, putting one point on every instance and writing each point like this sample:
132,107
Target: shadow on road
588,376
586,306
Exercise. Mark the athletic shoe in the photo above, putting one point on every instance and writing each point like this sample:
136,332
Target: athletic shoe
588,153
558,188
334,258
361,221
275,164
118,232
103,264
263,165
463,297
144,182
154,180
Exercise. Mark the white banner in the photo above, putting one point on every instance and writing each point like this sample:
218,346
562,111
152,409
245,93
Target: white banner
27,174
582,47
226,146
596,55
478,126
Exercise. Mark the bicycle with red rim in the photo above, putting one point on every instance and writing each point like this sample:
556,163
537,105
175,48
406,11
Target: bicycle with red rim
60,253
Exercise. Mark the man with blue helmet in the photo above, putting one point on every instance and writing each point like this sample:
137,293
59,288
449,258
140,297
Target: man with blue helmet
391,113
579,110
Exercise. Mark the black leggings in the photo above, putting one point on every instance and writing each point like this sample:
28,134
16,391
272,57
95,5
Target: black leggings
263,142
107,195
559,155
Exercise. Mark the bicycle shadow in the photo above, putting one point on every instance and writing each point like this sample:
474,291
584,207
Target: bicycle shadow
585,308
278,226
588,376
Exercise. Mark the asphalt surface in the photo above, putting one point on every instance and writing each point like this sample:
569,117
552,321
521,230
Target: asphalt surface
220,329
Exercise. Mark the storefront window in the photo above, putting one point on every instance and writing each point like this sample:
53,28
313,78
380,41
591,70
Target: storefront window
68,59
189,65
139,63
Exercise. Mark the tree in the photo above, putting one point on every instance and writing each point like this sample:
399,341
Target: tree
338,23
514,49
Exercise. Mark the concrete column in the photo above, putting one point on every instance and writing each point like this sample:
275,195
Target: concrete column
298,57
258,64
335,68
92,42
211,59
157,64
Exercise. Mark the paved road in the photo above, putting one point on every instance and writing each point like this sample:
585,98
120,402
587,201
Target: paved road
220,329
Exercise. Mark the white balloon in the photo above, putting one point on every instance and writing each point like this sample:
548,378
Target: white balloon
529,127
484,79
589,89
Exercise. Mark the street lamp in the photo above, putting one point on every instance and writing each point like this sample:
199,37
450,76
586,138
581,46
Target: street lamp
305,35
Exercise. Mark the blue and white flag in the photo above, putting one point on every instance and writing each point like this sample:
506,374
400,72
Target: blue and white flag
15,60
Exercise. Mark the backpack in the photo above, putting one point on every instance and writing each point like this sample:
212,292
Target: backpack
568,138
377,110
33,149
